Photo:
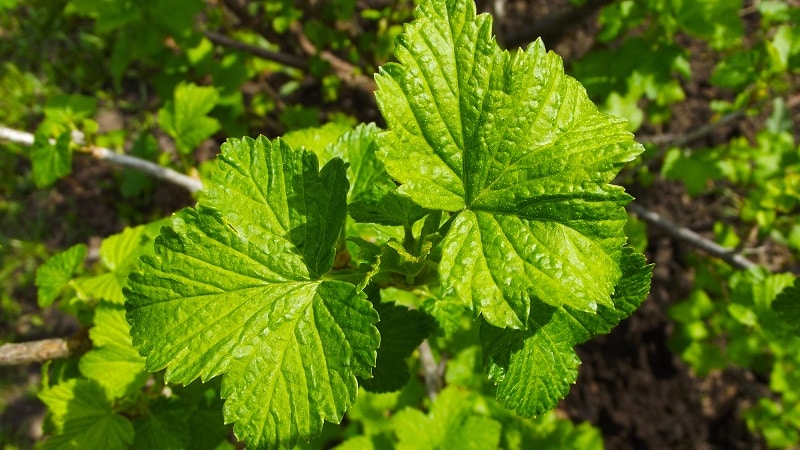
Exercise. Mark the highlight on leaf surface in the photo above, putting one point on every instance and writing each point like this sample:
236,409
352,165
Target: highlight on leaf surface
517,151
235,288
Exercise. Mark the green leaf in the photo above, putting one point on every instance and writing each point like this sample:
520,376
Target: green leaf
534,368
517,149
164,428
718,21
64,112
373,195
83,417
185,118
303,206
320,140
56,273
402,330
787,305
234,288
113,362
450,423
119,254
50,161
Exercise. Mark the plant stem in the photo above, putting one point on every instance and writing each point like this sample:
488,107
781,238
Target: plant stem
43,350
142,165
684,234
433,371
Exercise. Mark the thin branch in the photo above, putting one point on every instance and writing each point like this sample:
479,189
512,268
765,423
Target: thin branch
433,371
282,58
44,350
142,165
344,70
684,234
679,140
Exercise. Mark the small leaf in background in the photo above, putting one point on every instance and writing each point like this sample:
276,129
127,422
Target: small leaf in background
83,417
55,274
66,112
234,288
113,362
696,169
51,161
787,305
718,21
185,117
451,423
135,182
516,149
119,254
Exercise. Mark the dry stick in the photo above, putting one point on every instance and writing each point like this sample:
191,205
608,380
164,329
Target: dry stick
671,140
142,165
343,69
283,58
689,236
43,350
433,371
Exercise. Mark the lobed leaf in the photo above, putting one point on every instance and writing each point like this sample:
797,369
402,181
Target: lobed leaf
51,161
234,288
83,417
55,274
518,152
185,118
534,368
450,423
113,362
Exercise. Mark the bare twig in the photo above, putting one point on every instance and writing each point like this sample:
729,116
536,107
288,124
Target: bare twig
434,372
347,72
684,234
148,167
282,58
44,350
679,140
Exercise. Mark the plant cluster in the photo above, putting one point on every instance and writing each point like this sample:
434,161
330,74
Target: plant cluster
414,275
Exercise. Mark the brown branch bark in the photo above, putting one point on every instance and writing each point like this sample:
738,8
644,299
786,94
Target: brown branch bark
44,350
433,371
347,72
686,235
282,58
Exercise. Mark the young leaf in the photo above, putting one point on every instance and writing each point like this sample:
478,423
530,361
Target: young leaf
113,362
450,424
373,196
787,305
50,161
534,368
234,288
83,417
54,274
118,254
185,119
518,151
